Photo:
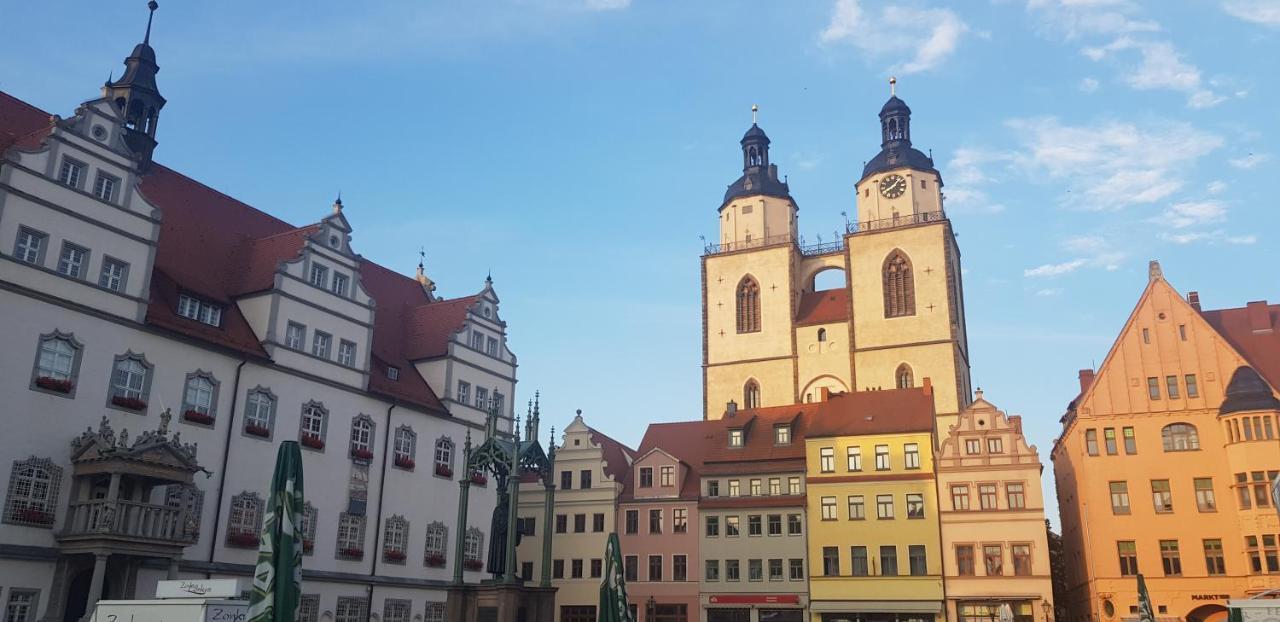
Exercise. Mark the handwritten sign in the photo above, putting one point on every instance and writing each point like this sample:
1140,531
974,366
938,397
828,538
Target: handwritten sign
198,588
172,610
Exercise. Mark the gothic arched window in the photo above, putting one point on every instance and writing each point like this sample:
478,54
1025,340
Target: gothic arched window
904,378
751,394
748,306
899,286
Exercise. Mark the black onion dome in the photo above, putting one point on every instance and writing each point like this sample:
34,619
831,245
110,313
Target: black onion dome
895,105
1247,391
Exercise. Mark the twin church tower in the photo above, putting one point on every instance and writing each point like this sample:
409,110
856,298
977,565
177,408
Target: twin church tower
770,338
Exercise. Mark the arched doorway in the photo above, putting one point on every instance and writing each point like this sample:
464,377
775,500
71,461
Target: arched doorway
78,594
1208,613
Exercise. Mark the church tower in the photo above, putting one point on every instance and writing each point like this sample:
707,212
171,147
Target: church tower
748,288
137,97
908,303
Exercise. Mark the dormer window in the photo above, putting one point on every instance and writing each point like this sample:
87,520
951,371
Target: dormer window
199,310
393,373
339,284
735,438
782,434
319,275
333,241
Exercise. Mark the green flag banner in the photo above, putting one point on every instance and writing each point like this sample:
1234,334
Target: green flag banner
277,578
1146,613
613,589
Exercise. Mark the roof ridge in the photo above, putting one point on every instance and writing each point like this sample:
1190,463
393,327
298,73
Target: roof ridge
611,439
158,166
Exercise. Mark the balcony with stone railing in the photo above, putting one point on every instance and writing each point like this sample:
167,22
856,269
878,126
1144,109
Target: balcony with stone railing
126,521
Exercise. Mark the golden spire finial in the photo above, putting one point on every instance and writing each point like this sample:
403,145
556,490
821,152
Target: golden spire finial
893,86
754,110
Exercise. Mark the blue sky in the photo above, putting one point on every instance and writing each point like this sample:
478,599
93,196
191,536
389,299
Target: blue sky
579,148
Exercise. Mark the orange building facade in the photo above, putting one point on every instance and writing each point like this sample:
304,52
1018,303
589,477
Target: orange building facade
1165,458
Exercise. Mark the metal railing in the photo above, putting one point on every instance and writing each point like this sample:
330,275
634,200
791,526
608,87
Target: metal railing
128,519
822,248
712,249
897,221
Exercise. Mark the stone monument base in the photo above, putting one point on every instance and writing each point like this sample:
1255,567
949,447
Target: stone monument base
492,601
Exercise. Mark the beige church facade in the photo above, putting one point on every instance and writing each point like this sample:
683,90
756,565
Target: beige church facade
770,338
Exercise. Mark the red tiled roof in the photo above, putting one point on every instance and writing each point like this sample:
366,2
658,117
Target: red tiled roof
218,247
617,457
823,307
874,412
757,442
1254,331
684,440
430,327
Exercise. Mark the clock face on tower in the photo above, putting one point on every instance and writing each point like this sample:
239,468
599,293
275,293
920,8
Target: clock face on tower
892,186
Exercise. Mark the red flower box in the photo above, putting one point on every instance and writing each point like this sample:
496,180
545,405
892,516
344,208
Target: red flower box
243,539
473,564
435,560
34,515
394,556
308,546
405,462
54,384
196,416
257,430
479,479
351,553
443,470
314,442
361,454
132,403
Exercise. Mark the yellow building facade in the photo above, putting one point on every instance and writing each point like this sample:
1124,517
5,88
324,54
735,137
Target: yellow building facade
994,542
874,543
771,338
1165,458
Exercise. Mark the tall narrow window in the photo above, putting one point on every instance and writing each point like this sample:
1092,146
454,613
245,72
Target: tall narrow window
313,425
130,380
751,394
259,412
444,457
822,334
198,398
245,521
395,540
406,442
964,560
437,543
1214,559
899,286
904,377
1127,551
56,363
748,305
362,437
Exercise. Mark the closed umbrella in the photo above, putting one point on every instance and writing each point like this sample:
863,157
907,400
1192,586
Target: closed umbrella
1006,613
613,589
277,579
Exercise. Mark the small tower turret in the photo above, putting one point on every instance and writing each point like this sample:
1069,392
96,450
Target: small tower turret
137,97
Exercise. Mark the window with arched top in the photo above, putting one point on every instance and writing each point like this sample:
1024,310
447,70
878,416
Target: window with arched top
751,394
822,334
405,447
245,521
899,286
313,425
362,437
904,377
1180,437
437,542
748,305
444,457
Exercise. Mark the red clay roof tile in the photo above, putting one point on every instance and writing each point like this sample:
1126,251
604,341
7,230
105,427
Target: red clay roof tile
823,307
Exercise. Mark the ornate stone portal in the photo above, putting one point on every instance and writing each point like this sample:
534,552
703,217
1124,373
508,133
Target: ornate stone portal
508,460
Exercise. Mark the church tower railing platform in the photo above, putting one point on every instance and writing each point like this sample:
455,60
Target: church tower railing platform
896,221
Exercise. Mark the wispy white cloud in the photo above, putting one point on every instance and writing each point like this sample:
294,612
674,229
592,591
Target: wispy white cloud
1089,85
1216,236
1049,292
1265,12
1054,269
1113,164
1193,213
805,161
1250,161
1216,187
969,176
914,39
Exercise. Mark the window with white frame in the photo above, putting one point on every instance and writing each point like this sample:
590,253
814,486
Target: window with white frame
129,378
406,441
295,336
201,311
437,539
309,608
362,437
393,373
71,173
72,260
346,353
245,521
199,393
104,186
882,457
434,612
911,455
259,412
396,610
854,458
56,362
884,506
307,527
351,609
314,420
444,456
482,398
464,392
32,498
30,246
350,536
114,274
477,340
21,606
321,343
395,540
491,346
473,545
339,286
319,275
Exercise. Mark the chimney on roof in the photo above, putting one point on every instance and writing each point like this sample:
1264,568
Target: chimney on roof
731,408
1086,379
927,386
1259,316
1193,298
824,394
